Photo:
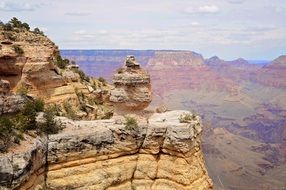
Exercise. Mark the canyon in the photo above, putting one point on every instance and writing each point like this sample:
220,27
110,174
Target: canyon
95,147
242,107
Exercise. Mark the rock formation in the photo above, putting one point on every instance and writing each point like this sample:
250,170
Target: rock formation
9,103
30,62
162,153
132,152
168,59
25,169
274,74
132,91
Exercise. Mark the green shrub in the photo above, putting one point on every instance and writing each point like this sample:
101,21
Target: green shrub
187,117
15,23
56,109
7,27
26,119
61,63
130,123
70,113
39,105
18,50
82,75
22,90
9,35
38,31
6,132
50,124
102,80
26,26
29,116
80,95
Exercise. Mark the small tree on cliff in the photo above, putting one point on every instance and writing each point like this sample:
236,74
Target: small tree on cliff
6,130
38,31
15,23
50,124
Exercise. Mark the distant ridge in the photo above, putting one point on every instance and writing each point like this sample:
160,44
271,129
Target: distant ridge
259,62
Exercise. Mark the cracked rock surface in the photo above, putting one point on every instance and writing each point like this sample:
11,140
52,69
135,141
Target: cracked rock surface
161,153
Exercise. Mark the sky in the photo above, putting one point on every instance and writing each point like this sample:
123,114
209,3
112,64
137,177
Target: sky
252,29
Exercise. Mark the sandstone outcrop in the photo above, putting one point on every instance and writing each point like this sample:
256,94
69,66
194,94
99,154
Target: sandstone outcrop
132,91
9,103
162,153
26,169
30,62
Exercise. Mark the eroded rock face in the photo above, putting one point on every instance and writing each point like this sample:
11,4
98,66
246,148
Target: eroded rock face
132,91
161,154
29,62
9,103
24,170
105,154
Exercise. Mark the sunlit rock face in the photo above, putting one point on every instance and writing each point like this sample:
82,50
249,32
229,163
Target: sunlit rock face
162,153
132,87
158,153
30,63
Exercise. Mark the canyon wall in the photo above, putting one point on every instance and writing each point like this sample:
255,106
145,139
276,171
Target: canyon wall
159,153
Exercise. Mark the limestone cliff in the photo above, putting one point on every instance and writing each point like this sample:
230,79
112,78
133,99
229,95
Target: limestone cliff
160,153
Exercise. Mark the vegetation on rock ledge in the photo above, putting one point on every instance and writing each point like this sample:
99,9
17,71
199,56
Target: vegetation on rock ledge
13,127
187,118
130,123
16,25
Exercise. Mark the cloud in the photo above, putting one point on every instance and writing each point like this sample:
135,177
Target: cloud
18,6
235,1
209,9
195,24
78,14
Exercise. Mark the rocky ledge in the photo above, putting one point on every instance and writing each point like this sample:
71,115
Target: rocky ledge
158,153
24,169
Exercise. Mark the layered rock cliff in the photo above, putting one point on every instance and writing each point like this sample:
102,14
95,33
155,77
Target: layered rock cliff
161,151
25,168
32,64
158,153
274,74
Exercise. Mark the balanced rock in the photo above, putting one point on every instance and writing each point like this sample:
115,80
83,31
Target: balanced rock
132,87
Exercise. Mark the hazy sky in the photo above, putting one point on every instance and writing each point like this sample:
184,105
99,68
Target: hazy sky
253,29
